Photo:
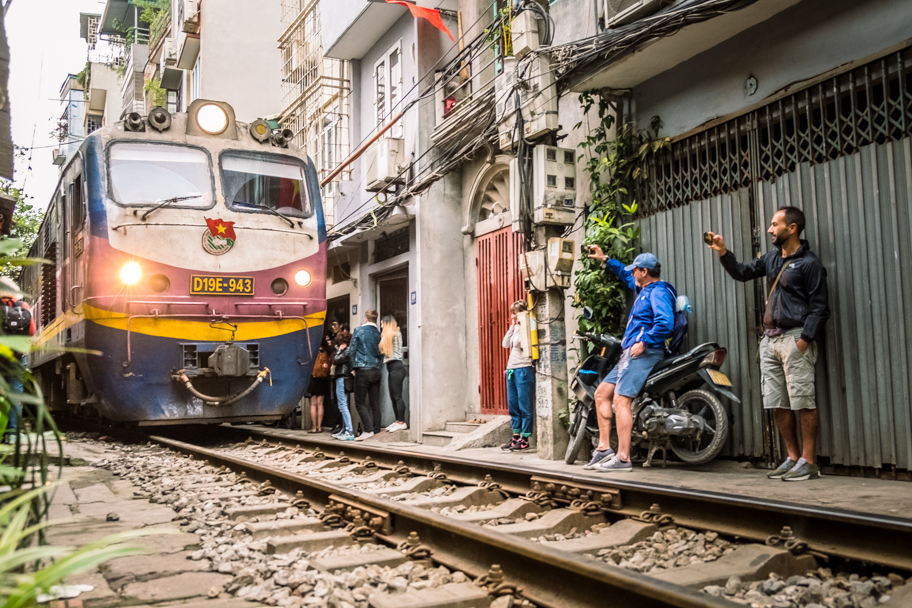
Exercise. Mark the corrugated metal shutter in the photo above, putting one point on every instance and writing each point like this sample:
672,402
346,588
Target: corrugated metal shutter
839,150
724,310
859,216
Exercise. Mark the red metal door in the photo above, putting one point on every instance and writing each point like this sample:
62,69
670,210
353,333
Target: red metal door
499,285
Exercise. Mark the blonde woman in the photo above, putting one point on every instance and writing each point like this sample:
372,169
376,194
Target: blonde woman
391,349
520,384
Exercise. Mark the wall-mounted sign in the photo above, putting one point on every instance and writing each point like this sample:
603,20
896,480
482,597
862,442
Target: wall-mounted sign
354,310
414,297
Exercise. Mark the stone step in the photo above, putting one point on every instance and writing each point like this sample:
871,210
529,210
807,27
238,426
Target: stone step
314,541
512,507
383,557
557,521
625,532
453,595
468,496
284,527
751,562
461,427
438,439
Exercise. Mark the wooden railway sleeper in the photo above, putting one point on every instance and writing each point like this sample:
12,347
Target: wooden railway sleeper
794,545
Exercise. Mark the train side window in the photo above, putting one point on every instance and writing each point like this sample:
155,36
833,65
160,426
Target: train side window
76,197
49,286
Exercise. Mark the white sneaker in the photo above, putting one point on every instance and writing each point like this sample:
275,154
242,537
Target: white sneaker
390,428
364,436
397,426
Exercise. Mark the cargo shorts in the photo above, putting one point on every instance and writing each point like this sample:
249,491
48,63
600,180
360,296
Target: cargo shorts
787,376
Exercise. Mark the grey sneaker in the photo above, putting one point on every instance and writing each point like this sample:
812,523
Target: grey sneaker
614,465
784,468
803,473
597,457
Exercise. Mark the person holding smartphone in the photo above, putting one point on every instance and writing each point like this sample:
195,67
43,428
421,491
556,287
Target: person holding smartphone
651,322
797,307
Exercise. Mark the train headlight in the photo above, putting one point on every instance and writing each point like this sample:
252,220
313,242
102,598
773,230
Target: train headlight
131,273
212,119
303,278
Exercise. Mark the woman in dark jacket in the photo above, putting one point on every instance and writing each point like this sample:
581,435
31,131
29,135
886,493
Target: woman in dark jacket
342,376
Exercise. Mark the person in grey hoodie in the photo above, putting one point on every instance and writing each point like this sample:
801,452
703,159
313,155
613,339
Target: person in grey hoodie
520,384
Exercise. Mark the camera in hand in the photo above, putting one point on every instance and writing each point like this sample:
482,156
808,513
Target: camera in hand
584,249
708,238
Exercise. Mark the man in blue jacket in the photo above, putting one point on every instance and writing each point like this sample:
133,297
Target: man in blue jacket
650,323
366,360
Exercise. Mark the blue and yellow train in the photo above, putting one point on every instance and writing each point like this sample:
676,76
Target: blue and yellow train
186,274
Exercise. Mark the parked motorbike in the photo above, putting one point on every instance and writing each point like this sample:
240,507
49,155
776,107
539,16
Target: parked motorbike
678,409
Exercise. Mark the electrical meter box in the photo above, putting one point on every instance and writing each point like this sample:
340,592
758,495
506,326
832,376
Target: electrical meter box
561,253
554,185
524,32
539,275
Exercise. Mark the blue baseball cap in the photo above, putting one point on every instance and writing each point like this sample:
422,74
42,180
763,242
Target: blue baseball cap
644,260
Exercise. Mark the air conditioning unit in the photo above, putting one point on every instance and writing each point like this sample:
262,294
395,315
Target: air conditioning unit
622,12
524,32
169,51
554,185
384,162
189,17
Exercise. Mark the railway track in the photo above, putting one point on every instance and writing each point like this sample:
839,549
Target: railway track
552,539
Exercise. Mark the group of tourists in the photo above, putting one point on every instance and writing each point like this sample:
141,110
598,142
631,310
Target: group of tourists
349,363
795,313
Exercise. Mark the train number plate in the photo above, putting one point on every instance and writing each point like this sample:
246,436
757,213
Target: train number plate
218,285
719,378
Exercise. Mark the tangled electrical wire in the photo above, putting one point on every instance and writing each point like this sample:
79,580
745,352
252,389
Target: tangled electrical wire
577,57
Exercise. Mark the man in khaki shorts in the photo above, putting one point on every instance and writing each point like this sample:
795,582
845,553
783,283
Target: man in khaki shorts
796,311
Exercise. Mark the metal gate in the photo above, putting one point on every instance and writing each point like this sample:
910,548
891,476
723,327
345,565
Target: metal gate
841,151
499,285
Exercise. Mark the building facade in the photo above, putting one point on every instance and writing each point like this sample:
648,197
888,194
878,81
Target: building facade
766,103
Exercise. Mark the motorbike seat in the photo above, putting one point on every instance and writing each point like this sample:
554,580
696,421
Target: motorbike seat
667,362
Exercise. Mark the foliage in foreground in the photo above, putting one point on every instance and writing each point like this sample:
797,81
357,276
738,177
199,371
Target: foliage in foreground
615,166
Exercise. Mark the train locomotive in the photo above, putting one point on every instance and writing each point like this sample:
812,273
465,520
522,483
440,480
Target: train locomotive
186,272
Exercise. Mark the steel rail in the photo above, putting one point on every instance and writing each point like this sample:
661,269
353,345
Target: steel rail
866,537
546,577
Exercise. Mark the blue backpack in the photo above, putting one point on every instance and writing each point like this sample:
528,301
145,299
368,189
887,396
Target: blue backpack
679,332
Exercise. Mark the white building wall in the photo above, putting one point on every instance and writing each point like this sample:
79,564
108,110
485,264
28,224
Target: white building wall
240,56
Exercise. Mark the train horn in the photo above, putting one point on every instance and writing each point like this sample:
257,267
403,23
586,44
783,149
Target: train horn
133,122
282,138
159,119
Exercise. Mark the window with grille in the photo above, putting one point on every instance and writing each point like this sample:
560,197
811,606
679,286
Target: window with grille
93,123
871,104
388,87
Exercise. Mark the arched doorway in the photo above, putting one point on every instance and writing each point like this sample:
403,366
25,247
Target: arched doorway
497,250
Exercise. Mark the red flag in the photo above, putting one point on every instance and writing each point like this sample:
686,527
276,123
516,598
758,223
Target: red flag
221,228
432,15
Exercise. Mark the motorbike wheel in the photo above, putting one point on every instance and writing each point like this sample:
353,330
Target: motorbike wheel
704,404
579,436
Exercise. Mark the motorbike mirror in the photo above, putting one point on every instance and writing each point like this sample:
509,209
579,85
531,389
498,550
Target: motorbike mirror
588,313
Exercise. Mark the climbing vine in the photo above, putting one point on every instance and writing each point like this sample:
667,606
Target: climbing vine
157,95
614,166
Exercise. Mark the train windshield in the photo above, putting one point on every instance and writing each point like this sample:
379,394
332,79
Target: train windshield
252,181
148,174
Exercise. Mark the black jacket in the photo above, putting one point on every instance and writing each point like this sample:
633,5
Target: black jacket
342,367
800,299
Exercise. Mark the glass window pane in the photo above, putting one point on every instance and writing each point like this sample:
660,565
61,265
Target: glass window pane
257,180
145,174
